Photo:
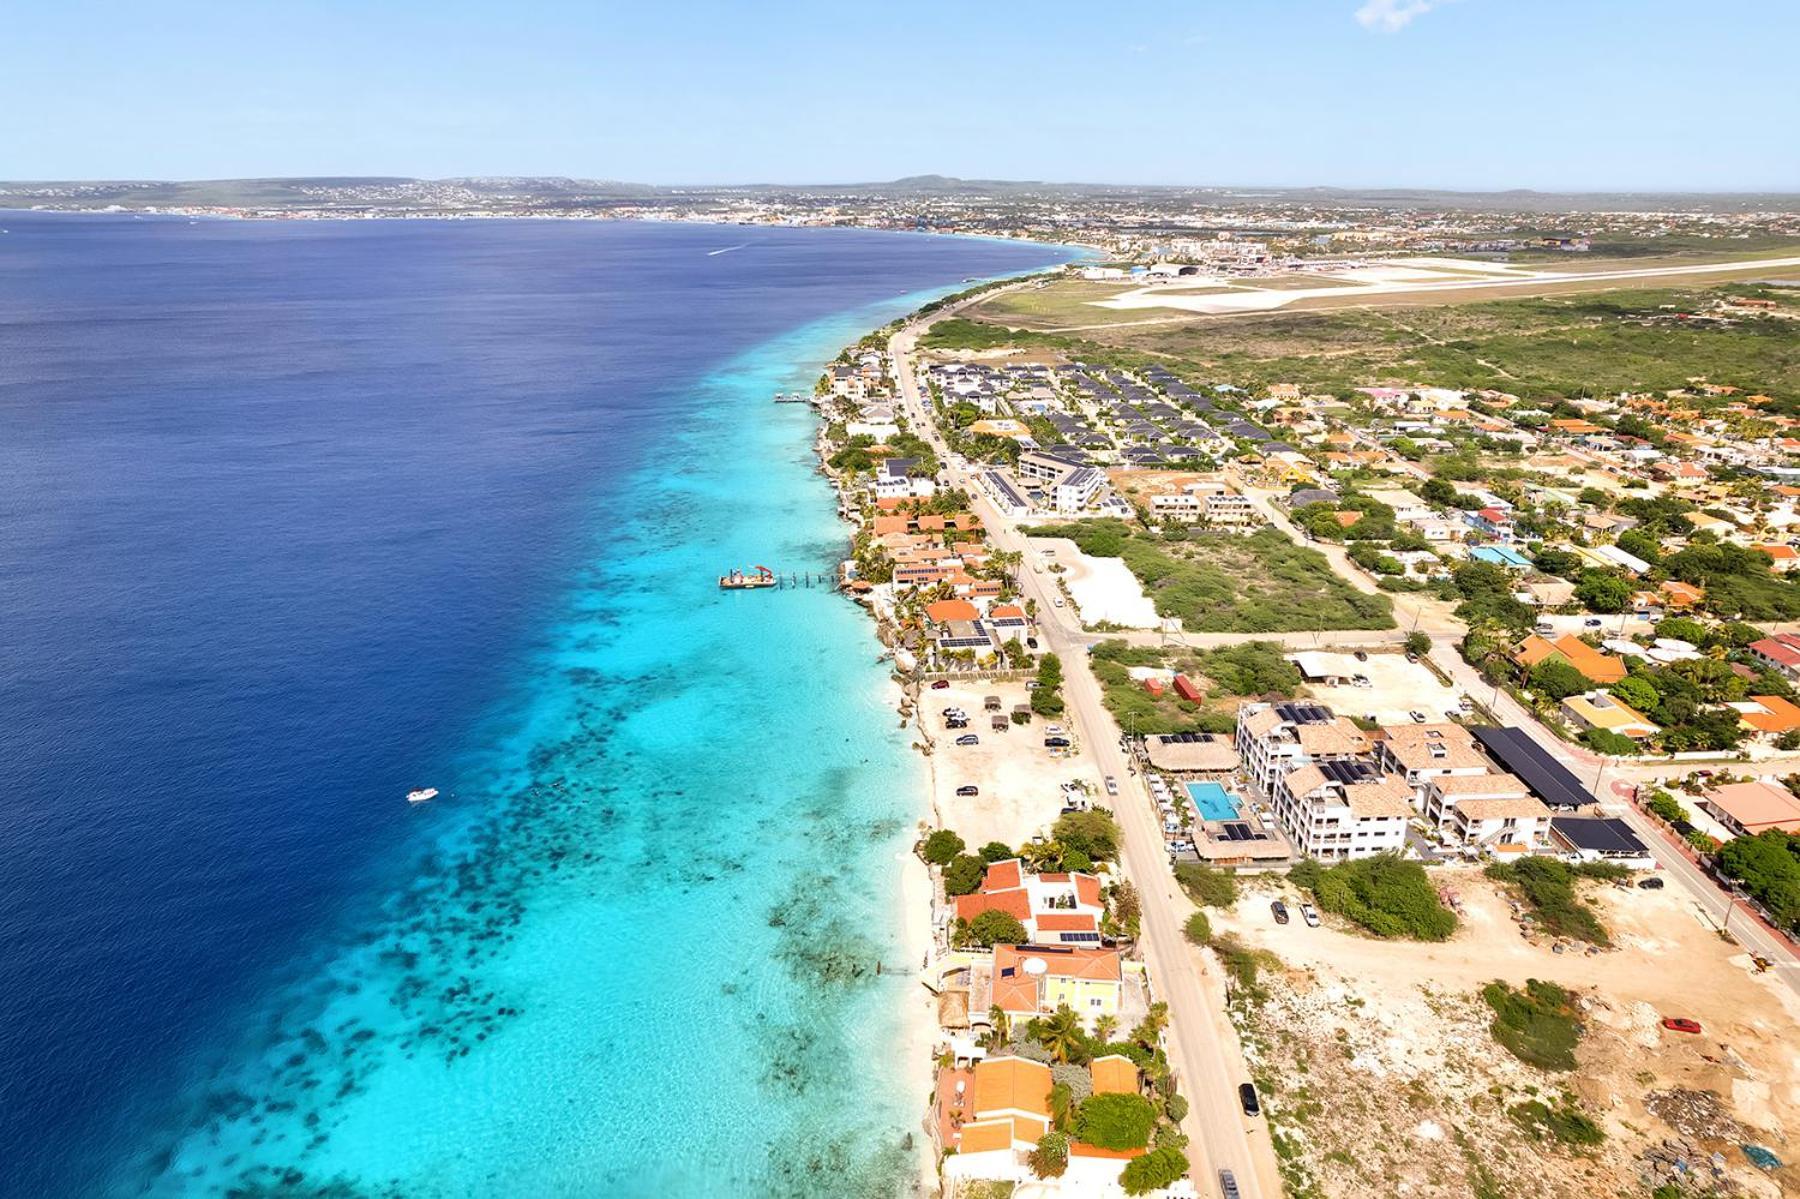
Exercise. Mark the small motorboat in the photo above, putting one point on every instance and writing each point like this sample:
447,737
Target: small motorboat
421,795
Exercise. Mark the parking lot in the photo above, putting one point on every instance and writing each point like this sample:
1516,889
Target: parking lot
1396,689
1017,780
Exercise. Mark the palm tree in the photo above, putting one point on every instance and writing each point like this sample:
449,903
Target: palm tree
999,1029
1155,1020
1104,1027
1062,1034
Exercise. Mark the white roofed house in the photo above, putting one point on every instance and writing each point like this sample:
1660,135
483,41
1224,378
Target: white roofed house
892,481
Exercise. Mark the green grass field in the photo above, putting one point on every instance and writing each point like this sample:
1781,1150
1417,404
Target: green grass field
1535,347
1263,583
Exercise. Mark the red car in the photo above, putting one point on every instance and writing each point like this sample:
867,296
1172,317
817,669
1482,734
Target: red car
1681,1024
941,685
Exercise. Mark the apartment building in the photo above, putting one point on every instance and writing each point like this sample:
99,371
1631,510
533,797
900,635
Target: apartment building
1329,794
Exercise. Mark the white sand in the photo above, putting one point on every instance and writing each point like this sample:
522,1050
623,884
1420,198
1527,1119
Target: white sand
1104,589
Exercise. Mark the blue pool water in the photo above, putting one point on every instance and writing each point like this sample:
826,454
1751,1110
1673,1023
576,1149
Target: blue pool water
1213,802
297,516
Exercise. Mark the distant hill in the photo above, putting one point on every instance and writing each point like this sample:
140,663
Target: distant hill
401,192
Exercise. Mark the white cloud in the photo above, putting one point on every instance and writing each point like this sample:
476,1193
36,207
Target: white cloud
1391,16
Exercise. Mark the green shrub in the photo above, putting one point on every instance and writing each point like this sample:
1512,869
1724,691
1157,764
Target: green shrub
1115,1121
940,847
1093,832
994,851
1537,1025
994,927
1549,887
1207,885
1153,1171
1051,1157
1664,807
1386,896
1199,928
1565,1123
963,875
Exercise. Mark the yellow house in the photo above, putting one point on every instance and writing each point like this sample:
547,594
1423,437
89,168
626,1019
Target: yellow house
1035,980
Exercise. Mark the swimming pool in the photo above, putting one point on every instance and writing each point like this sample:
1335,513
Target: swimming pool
1213,802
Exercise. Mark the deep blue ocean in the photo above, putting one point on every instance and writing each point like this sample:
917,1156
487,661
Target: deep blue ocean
297,516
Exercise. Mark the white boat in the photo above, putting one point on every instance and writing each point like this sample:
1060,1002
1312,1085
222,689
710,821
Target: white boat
421,795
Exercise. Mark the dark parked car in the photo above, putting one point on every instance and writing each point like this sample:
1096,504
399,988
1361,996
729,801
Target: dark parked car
968,739
1228,1185
1247,1097
1361,656
1652,883
941,685
1280,910
968,789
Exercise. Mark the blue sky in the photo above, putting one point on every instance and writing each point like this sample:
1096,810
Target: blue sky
1546,94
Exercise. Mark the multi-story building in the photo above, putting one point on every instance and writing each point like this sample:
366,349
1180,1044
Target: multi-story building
1329,793
1420,752
1272,739
1337,810
1486,810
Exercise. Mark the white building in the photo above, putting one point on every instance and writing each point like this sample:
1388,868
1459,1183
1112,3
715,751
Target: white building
1078,489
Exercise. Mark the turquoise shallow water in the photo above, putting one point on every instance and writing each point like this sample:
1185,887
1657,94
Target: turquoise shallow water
641,959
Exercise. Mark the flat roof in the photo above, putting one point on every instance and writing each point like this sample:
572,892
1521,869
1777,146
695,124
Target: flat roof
1600,834
1548,779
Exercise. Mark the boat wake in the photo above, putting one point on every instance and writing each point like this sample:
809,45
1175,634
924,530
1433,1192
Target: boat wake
726,250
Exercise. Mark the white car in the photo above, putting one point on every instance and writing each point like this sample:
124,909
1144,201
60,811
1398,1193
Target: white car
1309,914
1058,601
1112,785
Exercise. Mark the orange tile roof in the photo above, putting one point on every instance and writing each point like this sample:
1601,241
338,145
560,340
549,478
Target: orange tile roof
1015,903
985,1136
1757,806
1593,665
1087,890
1015,990
1083,1149
1778,716
1114,1074
1003,876
947,610
1065,922
1011,1084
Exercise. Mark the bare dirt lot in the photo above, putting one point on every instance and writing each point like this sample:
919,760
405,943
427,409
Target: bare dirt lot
1384,1076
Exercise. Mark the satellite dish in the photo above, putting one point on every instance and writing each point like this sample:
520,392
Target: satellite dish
1036,966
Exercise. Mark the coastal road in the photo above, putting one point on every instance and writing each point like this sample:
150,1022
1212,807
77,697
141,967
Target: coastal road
1203,1046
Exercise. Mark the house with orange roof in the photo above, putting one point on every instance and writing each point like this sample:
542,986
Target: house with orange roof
1056,909
1767,716
997,1116
1746,809
1782,558
1594,666
1034,980
944,611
